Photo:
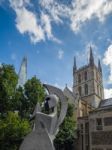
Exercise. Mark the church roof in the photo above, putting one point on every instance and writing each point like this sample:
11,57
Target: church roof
69,94
105,103
66,88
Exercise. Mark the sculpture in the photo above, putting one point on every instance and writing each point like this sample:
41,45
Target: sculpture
46,126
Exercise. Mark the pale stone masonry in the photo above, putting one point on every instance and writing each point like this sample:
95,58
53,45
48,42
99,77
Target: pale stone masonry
87,81
100,126
93,112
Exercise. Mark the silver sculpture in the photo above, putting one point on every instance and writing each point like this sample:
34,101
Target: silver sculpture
46,126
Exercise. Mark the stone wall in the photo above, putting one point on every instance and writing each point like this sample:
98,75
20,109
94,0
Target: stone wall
101,138
108,121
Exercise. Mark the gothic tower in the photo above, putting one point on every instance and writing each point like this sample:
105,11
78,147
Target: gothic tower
22,73
87,82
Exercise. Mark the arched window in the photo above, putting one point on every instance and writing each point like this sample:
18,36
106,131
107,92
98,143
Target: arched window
85,75
80,90
79,78
86,89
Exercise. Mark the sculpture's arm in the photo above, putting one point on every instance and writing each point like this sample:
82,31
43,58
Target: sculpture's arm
37,109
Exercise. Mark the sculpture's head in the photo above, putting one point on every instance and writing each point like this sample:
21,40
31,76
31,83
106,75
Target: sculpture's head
51,102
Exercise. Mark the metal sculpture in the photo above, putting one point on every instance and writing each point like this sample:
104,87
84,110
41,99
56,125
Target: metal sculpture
46,126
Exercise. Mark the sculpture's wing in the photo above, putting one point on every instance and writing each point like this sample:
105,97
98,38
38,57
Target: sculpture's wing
64,103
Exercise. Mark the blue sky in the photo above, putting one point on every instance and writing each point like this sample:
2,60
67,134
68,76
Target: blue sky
51,32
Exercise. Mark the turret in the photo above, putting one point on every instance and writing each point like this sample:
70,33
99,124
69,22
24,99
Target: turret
99,66
74,66
91,58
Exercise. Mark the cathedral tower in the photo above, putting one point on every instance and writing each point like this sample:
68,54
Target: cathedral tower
87,82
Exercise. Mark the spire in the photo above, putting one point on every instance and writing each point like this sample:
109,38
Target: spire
22,72
91,58
99,66
66,85
75,66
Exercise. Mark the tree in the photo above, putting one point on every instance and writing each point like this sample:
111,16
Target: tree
8,82
34,92
66,136
12,131
27,97
20,103
22,100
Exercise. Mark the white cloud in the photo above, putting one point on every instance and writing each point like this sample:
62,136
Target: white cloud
78,12
108,93
28,22
60,54
47,28
39,25
55,10
84,10
46,22
107,60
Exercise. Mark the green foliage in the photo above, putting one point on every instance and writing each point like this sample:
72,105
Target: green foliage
34,92
8,82
14,126
12,131
21,99
26,98
70,110
65,137
21,103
